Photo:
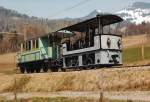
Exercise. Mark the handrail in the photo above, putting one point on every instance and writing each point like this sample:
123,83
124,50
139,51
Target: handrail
26,53
46,50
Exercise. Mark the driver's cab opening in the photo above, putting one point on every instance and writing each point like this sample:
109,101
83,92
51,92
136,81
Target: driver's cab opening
85,38
80,40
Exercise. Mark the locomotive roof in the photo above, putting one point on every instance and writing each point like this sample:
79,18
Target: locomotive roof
105,19
51,34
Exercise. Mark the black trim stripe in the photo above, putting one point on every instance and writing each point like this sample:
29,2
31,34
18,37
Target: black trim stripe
92,51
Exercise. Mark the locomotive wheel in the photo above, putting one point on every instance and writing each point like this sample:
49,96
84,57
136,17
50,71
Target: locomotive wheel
93,67
45,69
63,69
55,69
59,70
83,68
22,70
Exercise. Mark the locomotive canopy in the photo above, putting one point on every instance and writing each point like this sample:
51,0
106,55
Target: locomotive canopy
87,44
99,20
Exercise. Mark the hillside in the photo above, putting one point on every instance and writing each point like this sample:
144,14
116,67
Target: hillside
12,21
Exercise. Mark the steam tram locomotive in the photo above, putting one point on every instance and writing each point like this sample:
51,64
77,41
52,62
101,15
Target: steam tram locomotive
82,45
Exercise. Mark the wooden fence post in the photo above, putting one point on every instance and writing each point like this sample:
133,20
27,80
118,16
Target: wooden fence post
15,91
101,92
142,50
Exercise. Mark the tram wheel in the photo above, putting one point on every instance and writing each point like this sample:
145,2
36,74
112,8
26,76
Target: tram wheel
22,70
28,70
38,70
32,70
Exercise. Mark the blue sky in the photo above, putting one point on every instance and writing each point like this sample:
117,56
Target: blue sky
53,8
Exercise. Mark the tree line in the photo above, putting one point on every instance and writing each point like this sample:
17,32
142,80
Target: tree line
136,29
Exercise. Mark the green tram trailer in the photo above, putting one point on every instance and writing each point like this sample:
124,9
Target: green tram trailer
40,53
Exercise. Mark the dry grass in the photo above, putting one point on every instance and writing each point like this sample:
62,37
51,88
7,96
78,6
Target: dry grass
113,79
92,81
8,58
2,99
63,99
18,84
7,63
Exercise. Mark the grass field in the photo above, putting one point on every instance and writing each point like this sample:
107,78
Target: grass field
147,52
113,80
7,63
134,54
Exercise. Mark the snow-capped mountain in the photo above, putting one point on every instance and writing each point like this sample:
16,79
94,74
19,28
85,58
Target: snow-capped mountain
92,14
137,13
89,16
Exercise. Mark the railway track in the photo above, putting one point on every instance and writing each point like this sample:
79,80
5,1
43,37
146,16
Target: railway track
125,67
